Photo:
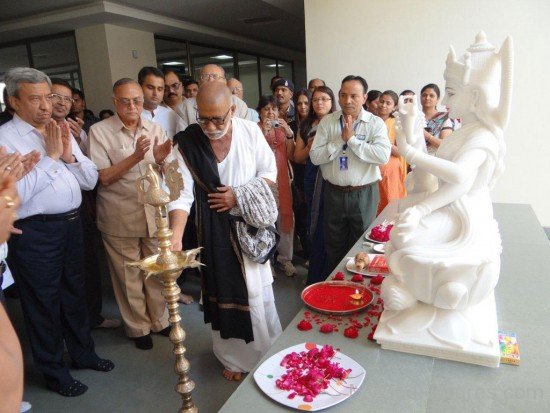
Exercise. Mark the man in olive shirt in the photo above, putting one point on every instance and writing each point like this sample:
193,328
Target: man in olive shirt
122,147
349,146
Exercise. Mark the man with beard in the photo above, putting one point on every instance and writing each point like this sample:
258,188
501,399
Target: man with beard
46,254
173,92
218,153
349,146
151,81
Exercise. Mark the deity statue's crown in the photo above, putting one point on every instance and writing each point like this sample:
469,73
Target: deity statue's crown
480,64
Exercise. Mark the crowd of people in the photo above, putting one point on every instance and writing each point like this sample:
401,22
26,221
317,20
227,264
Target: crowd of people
68,195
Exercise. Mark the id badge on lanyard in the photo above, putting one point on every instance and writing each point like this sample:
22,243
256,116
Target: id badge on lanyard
343,160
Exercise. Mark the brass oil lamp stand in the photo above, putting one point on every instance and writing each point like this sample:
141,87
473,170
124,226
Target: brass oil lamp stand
167,266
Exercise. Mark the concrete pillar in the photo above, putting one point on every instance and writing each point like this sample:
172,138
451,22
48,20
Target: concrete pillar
107,53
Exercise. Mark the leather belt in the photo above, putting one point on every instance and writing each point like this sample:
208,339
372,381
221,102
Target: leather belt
65,216
348,188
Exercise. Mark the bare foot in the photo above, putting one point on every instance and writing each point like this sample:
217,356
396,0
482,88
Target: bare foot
185,299
231,375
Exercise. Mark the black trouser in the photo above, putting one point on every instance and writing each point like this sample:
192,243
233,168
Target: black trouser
46,260
94,254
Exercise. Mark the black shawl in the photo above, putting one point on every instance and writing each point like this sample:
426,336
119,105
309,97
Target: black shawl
225,297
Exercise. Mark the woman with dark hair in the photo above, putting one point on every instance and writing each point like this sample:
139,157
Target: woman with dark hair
392,185
280,138
302,99
371,104
438,124
322,103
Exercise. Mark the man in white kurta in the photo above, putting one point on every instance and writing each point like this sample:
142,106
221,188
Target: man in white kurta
238,150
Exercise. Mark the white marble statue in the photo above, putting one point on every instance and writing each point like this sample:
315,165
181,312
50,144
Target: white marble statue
444,249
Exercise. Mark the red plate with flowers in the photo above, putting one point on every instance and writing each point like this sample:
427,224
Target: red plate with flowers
320,381
335,297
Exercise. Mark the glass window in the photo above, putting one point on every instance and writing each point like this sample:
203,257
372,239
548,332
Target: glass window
248,75
202,56
57,58
285,70
268,69
172,54
255,72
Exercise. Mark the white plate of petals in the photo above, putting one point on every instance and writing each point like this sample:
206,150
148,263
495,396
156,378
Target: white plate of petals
277,374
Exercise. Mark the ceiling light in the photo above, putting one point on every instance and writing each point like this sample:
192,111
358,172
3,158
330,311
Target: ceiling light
173,63
222,57
272,65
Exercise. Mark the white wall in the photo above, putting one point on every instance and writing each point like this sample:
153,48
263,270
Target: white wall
105,55
403,44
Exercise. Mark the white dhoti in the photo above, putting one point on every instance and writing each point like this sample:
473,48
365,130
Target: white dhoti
235,354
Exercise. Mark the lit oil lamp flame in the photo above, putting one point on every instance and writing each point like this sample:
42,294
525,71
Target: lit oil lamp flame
356,298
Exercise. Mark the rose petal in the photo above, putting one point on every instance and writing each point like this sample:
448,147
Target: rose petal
351,332
304,325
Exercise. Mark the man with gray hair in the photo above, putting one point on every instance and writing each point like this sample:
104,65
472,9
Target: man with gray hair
46,254
123,146
211,73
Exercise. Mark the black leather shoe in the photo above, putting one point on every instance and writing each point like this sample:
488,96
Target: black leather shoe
144,342
73,388
97,365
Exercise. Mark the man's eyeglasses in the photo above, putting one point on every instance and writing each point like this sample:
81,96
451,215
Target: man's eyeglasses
176,86
236,89
317,100
36,99
216,120
54,97
215,76
128,102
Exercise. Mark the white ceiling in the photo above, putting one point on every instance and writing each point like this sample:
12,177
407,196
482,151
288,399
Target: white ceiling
198,20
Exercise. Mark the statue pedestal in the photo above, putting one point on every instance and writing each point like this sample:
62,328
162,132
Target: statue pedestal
425,343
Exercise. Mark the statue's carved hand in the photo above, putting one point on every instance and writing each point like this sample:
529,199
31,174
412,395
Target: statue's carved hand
407,222
408,115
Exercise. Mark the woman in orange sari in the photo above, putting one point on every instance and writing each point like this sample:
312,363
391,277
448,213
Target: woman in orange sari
280,138
392,185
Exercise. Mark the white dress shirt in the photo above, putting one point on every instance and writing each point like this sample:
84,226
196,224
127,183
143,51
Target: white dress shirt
51,187
166,118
